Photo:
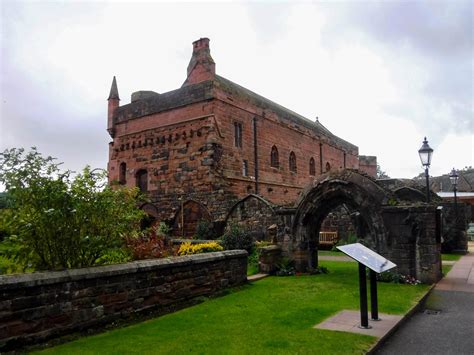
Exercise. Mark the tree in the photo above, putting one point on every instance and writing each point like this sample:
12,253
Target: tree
381,174
56,221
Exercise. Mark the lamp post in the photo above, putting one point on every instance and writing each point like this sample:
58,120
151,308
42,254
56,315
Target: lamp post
426,152
454,176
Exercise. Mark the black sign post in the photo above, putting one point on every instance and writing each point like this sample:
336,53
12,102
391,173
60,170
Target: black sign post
377,264
364,317
374,307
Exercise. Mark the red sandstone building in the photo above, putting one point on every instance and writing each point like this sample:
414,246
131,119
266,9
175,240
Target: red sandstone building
211,143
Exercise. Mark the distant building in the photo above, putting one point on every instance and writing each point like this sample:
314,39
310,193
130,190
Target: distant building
209,144
465,187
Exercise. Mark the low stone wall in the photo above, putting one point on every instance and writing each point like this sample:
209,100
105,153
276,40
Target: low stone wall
39,306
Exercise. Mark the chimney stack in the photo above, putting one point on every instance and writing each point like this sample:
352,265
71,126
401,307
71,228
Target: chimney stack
201,66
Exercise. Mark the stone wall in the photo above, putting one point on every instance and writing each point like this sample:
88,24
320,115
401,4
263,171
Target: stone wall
455,223
36,307
411,241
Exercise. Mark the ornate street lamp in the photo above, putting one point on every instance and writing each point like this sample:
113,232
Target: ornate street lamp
454,176
426,152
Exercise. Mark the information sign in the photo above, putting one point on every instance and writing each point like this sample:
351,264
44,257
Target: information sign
368,257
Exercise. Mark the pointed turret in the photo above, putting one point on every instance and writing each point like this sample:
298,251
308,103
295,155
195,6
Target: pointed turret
201,66
113,90
114,101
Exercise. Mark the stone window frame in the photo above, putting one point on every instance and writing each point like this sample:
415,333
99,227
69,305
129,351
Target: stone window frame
312,167
274,158
292,162
142,183
238,129
123,173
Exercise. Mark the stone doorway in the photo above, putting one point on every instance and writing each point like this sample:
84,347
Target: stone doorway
357,194
189,215
403,231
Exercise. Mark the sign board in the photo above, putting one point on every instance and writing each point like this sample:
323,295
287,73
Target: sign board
367,257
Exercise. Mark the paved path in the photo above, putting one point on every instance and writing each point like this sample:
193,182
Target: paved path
446,325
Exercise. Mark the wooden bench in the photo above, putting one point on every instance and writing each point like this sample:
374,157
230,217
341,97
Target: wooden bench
328,238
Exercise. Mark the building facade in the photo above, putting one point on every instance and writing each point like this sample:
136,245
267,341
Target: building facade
200,149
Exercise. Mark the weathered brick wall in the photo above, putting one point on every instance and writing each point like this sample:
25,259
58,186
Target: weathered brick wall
368,164
35,307
279,185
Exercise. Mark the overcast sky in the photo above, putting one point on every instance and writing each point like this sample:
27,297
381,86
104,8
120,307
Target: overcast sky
379,74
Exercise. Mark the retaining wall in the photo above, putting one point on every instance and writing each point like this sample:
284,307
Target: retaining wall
39,306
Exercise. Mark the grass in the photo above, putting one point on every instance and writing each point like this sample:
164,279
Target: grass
330,253
273,316
445,269
450,257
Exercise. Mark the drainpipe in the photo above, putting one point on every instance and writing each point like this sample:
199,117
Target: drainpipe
321,157
255,153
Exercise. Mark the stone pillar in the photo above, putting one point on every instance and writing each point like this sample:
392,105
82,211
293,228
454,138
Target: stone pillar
428,256
454,231
269,257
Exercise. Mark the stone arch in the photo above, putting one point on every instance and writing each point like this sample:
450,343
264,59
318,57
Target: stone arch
152,217
187,217
256,214
410,194
359,193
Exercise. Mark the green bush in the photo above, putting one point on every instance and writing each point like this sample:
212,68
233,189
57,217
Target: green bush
285,267
252,262
202,229
237,237
56,221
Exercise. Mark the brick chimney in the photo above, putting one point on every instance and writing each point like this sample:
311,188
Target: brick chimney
201,66
114,101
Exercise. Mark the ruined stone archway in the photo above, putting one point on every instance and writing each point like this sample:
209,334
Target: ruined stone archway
152,215
186,220
257,214
359,193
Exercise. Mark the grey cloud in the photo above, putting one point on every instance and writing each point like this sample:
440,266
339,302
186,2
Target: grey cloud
434,37
269,19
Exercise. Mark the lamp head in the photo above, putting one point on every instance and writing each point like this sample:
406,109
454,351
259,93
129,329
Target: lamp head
425,152
454,176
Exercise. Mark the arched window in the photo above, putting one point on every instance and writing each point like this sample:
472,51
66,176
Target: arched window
292,162
274,160
123,173
312,167
328,167
142,180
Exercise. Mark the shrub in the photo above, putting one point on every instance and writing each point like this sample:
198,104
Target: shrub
252,262
202,229
237,237
163,229
58,222
148,244
189,249
285,267
395,277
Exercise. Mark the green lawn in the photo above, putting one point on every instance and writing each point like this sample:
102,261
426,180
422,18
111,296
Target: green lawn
273,316
330,253
450,257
